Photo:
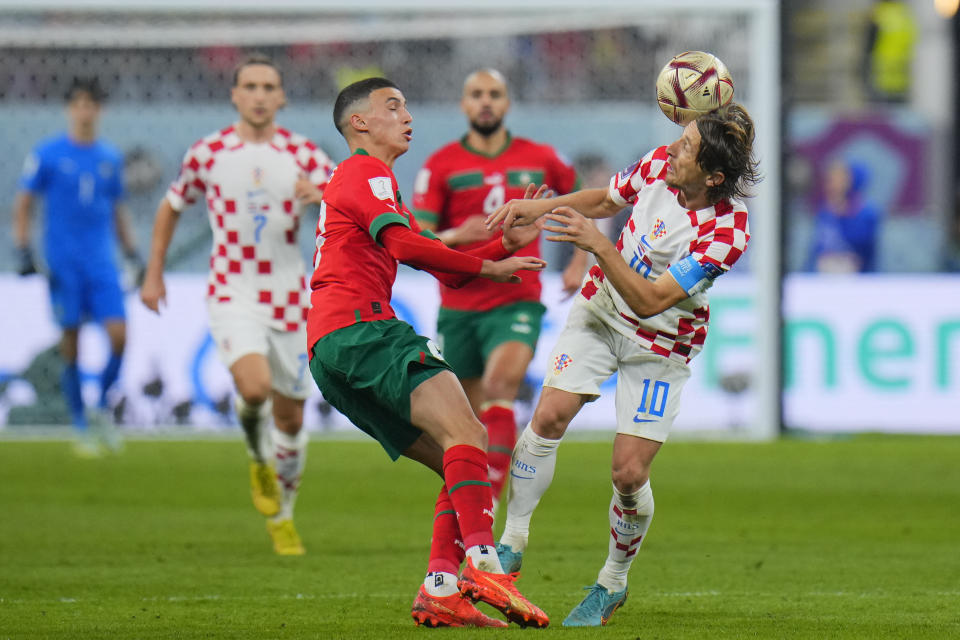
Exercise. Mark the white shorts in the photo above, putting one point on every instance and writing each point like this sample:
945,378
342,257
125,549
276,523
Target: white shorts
237,333
648,386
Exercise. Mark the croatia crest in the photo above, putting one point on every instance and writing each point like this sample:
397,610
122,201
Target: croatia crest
561,362
659,229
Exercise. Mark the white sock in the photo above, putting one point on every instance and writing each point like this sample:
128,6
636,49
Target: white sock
252,419
290,456
440,584
630,516
485,558
531,472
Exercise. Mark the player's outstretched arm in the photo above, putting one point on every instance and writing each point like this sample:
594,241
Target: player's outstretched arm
592,203
154,291
645,297
506,270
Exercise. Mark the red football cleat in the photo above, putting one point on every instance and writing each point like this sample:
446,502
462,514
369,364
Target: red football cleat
449,611
498,590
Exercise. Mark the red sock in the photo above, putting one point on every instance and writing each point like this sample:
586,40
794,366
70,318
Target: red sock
502,433
446,547
465,473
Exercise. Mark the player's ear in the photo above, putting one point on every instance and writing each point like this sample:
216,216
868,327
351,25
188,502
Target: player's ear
357,122
715,179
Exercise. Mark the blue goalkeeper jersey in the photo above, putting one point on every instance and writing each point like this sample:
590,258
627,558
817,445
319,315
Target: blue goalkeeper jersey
81,185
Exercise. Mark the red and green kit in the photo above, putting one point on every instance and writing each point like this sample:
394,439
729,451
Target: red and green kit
458,182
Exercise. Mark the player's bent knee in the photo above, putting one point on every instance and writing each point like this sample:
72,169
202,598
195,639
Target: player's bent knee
629,478
471,432
549,422
252,393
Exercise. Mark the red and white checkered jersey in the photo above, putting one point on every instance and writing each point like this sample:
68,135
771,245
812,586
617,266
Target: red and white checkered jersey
661,233
255,260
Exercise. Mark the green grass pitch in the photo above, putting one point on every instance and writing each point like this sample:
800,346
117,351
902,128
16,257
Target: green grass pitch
856,538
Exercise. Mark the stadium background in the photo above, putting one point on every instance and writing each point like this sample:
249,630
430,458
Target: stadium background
887,344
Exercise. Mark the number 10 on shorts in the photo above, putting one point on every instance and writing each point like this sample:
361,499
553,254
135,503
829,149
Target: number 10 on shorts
653,401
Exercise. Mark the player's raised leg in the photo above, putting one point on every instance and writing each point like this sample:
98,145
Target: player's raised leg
251,376
533,463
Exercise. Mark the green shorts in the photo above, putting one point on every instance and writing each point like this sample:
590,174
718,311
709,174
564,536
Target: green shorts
367,372
468,337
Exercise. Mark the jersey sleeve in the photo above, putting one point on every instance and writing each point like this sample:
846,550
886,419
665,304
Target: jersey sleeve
429,193
315,163
190,184
369,197
33,174
625,186
713,254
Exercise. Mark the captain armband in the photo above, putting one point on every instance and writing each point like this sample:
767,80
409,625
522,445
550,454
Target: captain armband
693,276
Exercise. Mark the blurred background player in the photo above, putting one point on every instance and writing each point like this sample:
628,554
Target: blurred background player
80,179
256,178
642,314
392,383
488,332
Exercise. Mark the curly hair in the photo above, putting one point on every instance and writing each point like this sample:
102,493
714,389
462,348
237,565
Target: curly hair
726,146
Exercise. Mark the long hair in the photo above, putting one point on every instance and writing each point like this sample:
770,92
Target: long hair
726,145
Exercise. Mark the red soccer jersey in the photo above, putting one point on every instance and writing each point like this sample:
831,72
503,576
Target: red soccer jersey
458,181
353,274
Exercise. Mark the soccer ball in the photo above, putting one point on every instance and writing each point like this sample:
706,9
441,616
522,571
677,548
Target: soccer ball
693,83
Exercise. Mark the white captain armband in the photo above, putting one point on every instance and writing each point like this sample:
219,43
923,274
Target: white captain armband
693,276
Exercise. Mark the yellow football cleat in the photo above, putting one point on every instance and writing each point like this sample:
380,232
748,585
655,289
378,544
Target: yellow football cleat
264,488
286,541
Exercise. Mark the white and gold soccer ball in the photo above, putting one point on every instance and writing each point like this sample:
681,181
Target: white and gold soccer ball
693,83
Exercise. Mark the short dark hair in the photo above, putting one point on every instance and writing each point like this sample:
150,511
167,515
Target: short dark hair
256,59
353,93
726,145
90,86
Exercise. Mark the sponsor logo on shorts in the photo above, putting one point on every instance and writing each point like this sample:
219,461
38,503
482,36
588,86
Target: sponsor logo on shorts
561,362
520,328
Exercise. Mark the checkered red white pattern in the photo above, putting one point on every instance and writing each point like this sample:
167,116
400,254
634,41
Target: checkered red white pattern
716,235
249,190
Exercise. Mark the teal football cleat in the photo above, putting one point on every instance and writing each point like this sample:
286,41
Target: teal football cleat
510,560
595,610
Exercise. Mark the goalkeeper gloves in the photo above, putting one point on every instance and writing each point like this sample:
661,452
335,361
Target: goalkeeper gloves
134,267
25,263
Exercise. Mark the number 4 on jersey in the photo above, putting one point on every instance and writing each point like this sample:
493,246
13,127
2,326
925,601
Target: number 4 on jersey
494,200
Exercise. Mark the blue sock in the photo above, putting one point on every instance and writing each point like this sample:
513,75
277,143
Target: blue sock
110,374
70,382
